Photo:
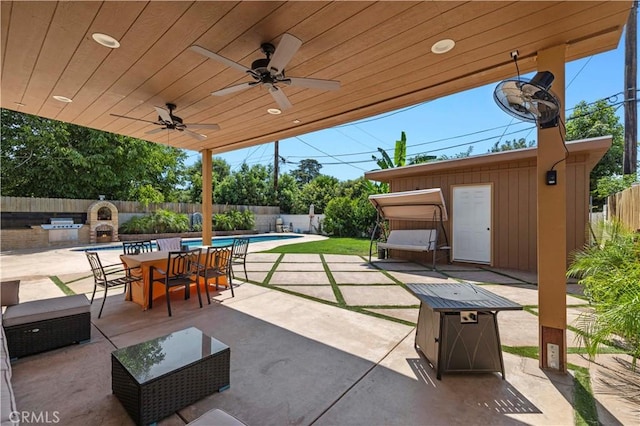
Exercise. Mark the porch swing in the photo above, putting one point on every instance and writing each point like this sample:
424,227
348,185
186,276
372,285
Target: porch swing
424,205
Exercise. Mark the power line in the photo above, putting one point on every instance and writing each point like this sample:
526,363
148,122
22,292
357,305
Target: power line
579,71
319,150
611,99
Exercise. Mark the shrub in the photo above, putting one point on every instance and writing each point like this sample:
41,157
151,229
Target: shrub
339,215
610,275
160,222
233,220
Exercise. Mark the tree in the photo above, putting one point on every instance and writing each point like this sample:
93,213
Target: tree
463,154
247,186
593,120
338,217
49,158
220,170
422,158
318,192
399,155
510,145
288,193
307,171
609,185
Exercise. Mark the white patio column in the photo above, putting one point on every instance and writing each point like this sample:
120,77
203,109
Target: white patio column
207,197
552,225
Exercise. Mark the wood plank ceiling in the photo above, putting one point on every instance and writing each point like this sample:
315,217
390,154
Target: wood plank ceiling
379,51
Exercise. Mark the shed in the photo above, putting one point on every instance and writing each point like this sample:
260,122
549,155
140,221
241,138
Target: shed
491,200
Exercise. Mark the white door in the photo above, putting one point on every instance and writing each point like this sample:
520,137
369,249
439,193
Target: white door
471,223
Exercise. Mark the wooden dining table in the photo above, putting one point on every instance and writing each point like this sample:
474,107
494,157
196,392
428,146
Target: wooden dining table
144,261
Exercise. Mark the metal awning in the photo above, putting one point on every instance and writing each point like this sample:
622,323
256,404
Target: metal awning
424,204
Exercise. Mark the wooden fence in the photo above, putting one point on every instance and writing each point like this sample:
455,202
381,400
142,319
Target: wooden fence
625,206
65,205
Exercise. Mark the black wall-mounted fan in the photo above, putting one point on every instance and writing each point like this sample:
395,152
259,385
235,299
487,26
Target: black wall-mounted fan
168,121
270,71
529,100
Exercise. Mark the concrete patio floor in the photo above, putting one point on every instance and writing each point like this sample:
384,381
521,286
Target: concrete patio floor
315,339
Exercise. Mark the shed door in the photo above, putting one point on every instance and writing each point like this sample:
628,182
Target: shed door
471,223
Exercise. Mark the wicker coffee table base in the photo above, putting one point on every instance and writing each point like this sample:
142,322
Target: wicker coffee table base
149,402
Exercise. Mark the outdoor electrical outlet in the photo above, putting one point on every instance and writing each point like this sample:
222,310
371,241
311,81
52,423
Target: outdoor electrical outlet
552,177
553,356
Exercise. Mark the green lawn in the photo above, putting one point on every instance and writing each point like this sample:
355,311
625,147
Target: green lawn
333,245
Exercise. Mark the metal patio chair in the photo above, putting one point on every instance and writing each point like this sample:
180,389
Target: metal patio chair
137,247
239,255
106,279
182,270
217,264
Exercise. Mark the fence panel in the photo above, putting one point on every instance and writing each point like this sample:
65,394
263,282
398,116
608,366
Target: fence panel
66,205
625,206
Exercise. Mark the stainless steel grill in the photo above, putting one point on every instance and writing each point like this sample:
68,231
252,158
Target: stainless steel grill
61,223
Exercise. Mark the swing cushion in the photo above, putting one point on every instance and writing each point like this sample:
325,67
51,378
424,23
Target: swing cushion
411,240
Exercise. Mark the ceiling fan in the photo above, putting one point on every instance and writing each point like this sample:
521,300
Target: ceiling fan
529,100
168,121
270,71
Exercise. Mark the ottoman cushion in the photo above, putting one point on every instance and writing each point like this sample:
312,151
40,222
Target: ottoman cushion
46,309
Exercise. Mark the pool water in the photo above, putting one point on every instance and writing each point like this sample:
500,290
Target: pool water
215,242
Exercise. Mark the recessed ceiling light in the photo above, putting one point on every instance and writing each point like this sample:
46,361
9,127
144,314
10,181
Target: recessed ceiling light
443,46
296,121
106,40
20,104
62,99
274,111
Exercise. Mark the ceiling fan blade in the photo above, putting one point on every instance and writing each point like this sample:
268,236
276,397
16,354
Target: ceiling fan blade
280,98
164,114
158,130
131,118
195,135
221,59
287,47
202,126
233,89
312,83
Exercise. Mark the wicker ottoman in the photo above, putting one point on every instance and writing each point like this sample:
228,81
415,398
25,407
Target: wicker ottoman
42,325
154,379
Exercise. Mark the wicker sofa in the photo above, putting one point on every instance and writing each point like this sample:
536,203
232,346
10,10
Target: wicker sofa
6,391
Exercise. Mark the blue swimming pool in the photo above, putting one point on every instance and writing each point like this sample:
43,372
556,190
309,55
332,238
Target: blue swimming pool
215,241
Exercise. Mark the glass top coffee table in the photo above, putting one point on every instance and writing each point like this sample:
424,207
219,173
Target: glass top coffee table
153,379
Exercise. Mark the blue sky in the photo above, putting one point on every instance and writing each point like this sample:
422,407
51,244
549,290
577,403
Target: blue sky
437,127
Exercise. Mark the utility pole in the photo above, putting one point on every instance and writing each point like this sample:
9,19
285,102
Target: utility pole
276,163
630,157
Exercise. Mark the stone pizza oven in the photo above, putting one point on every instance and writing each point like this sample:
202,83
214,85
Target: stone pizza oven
103,222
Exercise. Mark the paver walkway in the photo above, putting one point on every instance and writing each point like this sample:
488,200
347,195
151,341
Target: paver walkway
351,283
